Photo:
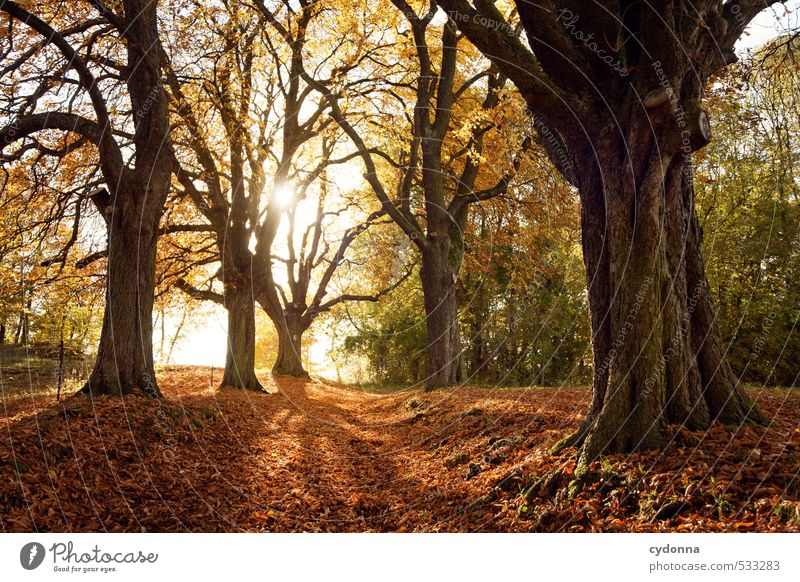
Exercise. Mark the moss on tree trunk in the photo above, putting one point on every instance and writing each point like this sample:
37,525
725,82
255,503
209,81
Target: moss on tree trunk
658,354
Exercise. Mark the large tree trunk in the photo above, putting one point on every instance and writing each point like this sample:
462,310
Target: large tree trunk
132,214
440,264
125,355
240,359
290,345
658,355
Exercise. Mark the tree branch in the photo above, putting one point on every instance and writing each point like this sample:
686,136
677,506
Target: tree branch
199,294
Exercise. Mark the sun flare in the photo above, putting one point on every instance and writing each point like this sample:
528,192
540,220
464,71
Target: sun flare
283,195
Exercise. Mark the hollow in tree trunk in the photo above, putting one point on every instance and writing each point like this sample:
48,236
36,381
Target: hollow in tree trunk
444,353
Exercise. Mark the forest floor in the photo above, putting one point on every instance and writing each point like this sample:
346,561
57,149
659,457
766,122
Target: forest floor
319,456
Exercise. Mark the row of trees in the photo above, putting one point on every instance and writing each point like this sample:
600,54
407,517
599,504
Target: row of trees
522,291
217,126
253,133
747,197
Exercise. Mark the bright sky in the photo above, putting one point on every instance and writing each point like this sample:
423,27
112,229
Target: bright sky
771,23
203,343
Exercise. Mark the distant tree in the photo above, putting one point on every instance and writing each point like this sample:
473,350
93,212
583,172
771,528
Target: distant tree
525,312
253,155
452,140
522,307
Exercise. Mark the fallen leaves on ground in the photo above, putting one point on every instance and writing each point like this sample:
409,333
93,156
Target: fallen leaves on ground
318,456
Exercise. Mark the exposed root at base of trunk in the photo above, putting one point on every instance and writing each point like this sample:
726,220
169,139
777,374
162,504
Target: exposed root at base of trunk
572,441
119,389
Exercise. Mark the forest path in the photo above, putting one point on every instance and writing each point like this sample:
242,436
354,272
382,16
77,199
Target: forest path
321,456
309,456
318,456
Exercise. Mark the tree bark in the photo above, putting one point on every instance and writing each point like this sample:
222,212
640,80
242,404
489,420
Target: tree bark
125,355
622,131
132,209
290,345
241,354
440,263
26,324
658,353
479,315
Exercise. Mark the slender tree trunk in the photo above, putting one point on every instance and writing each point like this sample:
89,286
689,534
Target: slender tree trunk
478,316
175,337
25,336
21,318
241,355
162,339
60,374
658,356
125,355
477,356
290,344
444,352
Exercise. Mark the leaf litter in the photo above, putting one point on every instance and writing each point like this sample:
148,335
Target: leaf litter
318,456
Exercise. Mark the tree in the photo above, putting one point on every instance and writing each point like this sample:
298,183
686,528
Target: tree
135,189
47,296
257,139
747,200
525,311
520,291
616,92
441,169
215,99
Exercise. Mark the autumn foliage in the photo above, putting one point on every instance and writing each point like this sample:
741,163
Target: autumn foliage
318,456
550,300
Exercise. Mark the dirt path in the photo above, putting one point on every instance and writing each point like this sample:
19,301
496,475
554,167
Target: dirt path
315,456
310,456
325,457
